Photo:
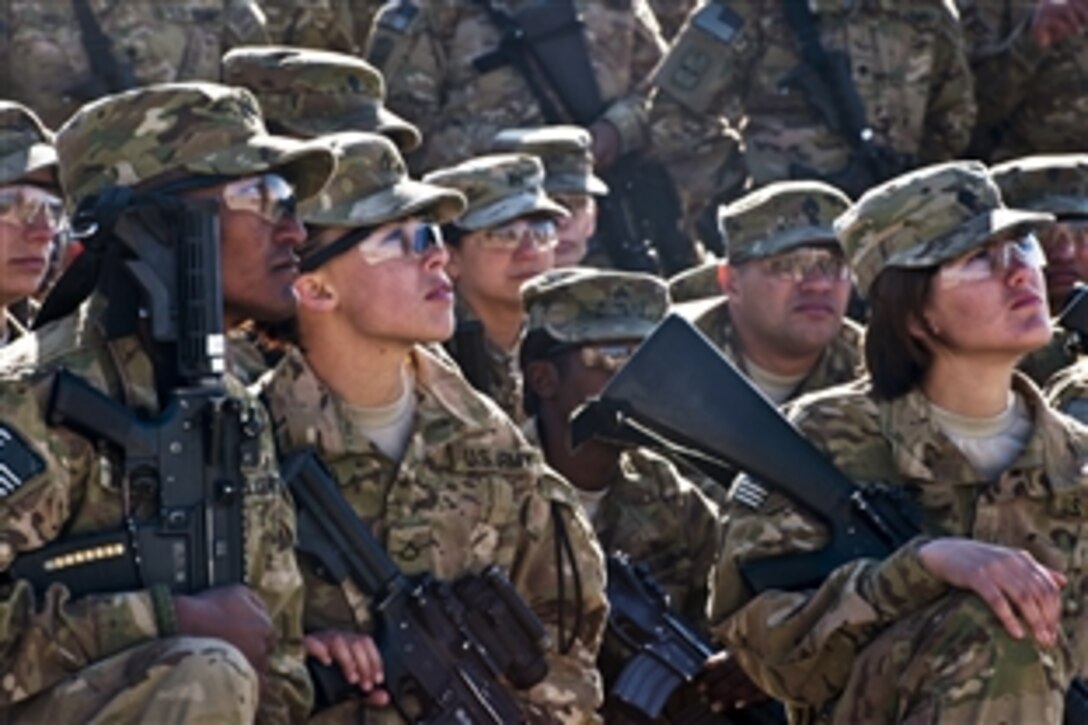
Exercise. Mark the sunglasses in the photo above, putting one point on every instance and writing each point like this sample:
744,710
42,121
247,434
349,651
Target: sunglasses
400,242
806,263
22,204
269,196
539,233
992,260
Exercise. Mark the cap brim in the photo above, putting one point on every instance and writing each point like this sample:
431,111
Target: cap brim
37,157
603,331
791,239
307,165
509,208
1074,207
575,184
375,120
405,199
975,233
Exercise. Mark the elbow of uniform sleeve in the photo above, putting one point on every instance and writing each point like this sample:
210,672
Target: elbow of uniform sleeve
628,117
900,584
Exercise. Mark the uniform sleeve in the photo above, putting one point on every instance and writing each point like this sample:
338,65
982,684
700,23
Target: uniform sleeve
628,114
246,24
43,476
572,690
704,531
951,112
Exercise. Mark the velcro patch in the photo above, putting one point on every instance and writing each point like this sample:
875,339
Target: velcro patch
719,21
18,462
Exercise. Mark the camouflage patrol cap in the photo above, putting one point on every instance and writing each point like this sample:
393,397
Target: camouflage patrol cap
157,131
927,217
371,187
779,217
26,145
1054,183
499,188
583,305
568,163
697,283
315,92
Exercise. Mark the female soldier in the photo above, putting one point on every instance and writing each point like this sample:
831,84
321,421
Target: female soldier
978,619
446,482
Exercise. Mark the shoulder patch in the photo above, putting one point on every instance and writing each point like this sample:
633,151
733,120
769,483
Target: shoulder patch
748,493
719,21
18,462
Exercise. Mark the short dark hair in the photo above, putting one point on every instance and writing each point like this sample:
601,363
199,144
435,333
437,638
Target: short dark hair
897,359
538,345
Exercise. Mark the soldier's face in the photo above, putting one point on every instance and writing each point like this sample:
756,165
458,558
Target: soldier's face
490,265
790,305
575,230
1066,247
29,220
258,239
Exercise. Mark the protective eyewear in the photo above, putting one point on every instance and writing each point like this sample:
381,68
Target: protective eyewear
993,260
807,263
1067,236
22,204
607,357
269,196
402,241
539,233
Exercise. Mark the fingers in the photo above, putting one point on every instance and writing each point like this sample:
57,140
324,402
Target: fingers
316,648
1020,591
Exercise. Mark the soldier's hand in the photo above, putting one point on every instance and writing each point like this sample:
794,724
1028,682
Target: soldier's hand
358,659
1056,20
233,614
1018,589
726,686
606,144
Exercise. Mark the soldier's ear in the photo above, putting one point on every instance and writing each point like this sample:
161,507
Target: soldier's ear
314,293
542,377
727,279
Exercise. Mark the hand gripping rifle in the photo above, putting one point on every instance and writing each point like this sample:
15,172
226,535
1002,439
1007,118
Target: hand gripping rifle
161,256
680,395
450,651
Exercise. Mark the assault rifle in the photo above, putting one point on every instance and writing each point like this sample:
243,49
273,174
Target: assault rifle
450,651
1074,316
162,257
653,400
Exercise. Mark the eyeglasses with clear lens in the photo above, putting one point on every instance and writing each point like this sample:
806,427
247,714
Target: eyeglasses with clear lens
607,357
806,263
22,204
269,196
1069,236
538,233
402,241
993,260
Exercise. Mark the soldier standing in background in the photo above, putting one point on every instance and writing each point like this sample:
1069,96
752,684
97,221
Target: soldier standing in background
55,56
506,236
444,479
851,94
230,653
1030,61
337,25
31,211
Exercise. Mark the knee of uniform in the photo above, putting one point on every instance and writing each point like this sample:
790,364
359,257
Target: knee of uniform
212,671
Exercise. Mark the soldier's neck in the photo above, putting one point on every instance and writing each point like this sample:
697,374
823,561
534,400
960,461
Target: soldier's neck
502,323
590,467
969,387
362,373
776,361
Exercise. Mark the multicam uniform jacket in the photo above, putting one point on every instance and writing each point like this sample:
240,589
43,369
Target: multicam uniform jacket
65,486
506,386
468,493
880,638
427,51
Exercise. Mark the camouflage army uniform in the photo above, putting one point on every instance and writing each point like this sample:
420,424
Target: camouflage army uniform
426,51
469,492
339,25
119,656
698,283
1068,391
886,641
43,62
503,375
1030,101
671,15
908,63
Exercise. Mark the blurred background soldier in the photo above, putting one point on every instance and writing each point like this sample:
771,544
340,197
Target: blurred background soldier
671,15
506,236
1030,61
1057,185
340,25
568,180
848,93
31,213
55,56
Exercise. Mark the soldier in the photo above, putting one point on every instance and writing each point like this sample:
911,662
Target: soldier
443,478
31,210
785,287
310,93
506,236
56,56
337,25
444,63
671,15
979,619
844,92
568,180
226,654
1057,185
1030,61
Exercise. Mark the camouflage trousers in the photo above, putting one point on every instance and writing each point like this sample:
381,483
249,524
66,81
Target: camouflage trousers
953,662
177,680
